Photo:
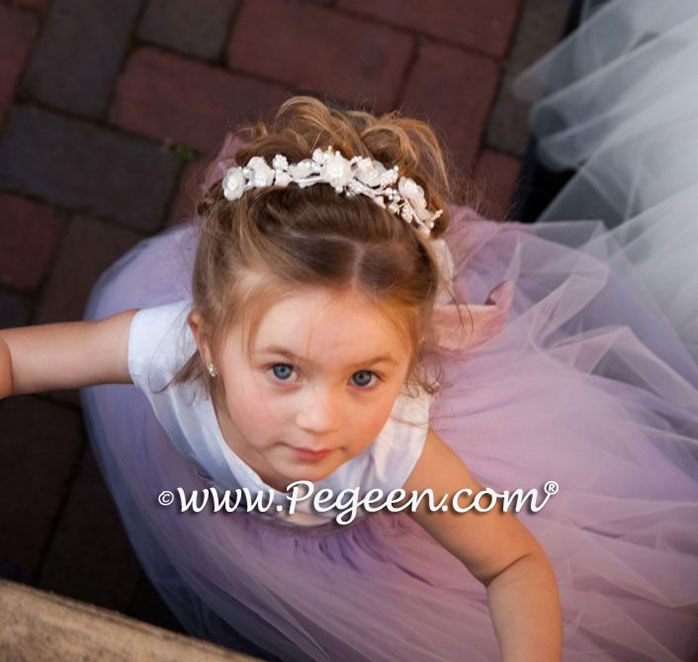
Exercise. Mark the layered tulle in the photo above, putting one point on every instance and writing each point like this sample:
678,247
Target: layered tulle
617,101
587,385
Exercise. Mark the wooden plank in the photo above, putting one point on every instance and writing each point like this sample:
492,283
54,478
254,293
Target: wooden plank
38,626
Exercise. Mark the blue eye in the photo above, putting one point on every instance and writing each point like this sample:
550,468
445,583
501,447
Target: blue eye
367,374
285,368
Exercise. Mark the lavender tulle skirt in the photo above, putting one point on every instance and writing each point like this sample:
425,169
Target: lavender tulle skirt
588,384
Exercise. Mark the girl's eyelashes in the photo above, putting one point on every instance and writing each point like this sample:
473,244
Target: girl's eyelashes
286,369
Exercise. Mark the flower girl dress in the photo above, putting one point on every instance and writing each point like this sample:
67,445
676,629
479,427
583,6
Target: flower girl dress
583,371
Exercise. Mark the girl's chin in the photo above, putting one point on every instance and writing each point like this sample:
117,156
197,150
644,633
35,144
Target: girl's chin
309,473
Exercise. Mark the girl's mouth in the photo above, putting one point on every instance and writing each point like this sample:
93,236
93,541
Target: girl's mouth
310,455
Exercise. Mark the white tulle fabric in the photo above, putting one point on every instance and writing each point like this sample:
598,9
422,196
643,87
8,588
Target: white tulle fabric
617,101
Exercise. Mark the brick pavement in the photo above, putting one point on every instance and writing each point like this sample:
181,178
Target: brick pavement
102,106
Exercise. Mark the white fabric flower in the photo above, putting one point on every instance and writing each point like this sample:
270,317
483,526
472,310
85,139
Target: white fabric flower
282,178
280,162
262,174
422,213
389,176
234,184
409,189
370,172
301,169
338,171
319,156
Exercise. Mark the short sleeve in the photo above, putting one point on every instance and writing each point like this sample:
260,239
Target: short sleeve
158,344
399,445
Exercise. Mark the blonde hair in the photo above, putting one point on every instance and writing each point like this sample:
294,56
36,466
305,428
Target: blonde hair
264,247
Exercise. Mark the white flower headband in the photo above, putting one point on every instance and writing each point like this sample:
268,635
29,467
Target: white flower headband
356,176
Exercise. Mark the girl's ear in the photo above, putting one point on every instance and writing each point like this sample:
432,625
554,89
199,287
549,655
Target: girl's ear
195,323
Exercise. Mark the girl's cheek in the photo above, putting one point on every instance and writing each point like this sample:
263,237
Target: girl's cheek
261,400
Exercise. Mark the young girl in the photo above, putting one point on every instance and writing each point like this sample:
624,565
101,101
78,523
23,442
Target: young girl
321,323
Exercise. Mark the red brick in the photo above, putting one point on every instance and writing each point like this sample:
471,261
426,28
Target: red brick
76,60
497,175
196,28
17,32
170,97
321,50
15,310
90,557
33,4
40,448
82,165
88,248
484,25
29,235
453,90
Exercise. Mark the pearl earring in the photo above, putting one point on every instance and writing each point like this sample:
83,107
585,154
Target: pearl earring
212,370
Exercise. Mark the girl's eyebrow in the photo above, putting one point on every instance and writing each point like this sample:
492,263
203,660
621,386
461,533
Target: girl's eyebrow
277,349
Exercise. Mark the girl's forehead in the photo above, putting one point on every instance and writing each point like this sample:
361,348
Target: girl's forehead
335,341
317,309
321,322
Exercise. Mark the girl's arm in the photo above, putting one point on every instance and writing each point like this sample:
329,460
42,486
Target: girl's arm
5,370
499,551
65,355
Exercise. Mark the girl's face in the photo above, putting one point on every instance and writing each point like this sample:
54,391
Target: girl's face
323,376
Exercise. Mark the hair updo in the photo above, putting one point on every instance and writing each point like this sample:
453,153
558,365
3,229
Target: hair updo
256,251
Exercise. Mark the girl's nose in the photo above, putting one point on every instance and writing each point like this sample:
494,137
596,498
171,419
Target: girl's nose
319,411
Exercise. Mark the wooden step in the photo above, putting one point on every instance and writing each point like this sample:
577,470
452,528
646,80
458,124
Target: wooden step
38,626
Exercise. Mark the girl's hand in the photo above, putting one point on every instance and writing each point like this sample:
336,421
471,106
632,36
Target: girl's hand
498,550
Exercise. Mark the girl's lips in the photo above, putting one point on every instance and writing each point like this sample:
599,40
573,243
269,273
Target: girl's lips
307,454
